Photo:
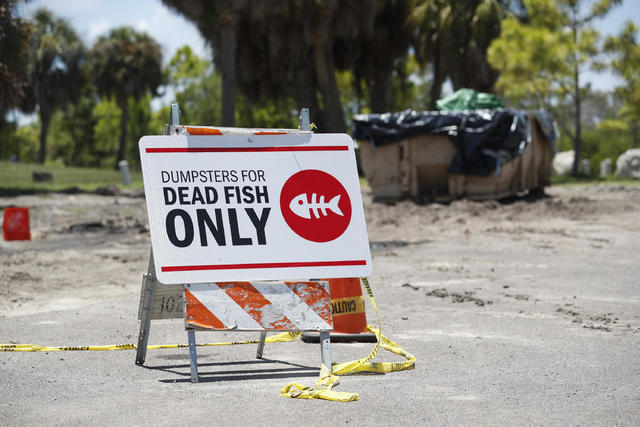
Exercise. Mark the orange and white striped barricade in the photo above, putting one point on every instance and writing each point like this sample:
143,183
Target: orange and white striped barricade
257,306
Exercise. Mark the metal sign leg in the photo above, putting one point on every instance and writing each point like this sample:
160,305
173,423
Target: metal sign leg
263,336
325,352
148,289
193,356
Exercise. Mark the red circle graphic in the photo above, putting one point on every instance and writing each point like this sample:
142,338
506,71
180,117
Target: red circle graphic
315,205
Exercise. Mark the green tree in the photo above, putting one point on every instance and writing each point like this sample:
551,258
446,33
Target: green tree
267,113
15,34
197,87
54,75
71,135
377,54
452,38
22,142
407,88
139,126
79,122
106,132
126,64
626,64
219,24
542,62
158,119
292,49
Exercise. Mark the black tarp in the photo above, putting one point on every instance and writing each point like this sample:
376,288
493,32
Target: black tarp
485,138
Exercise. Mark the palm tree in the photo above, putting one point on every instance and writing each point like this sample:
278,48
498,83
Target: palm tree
218,23
126,64
54,75
14,46
380,46
281,49
453,36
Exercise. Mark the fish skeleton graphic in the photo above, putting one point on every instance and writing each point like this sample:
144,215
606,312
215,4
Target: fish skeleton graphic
301,206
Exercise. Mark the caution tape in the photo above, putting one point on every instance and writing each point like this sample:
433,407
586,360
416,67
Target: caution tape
323,388
283,337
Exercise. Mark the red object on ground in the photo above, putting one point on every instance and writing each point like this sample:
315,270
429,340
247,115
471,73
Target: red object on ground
16,224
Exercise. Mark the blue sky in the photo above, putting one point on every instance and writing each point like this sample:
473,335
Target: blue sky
92,18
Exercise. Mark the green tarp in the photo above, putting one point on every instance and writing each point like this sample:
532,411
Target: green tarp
469,99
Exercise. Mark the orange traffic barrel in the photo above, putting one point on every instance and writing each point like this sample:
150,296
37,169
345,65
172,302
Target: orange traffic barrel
16,224
348,313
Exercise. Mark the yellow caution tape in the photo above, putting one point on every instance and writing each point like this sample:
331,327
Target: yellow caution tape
283,337
329,379
323,388
35,347
347,305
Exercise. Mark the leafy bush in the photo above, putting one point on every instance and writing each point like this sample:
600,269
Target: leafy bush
598,144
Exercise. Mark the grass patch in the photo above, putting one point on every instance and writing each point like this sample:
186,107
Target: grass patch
16,178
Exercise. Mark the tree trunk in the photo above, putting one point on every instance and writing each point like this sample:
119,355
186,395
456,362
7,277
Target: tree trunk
459,66
325,73
123,103
577,143
45,121
75,151
438,78
228,57
2,124
379,90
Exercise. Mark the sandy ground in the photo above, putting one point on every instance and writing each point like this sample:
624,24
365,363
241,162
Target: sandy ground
522,311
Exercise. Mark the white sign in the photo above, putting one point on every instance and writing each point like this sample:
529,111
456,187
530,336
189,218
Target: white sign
254,207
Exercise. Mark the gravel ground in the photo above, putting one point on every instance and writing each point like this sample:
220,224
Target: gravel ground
521,311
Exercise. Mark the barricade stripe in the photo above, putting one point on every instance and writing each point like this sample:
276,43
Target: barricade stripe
293,308
314,295
202,131
206,319
224,307
252,301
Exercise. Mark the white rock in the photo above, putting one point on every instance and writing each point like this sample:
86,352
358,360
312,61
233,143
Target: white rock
605,167
563,162
628,164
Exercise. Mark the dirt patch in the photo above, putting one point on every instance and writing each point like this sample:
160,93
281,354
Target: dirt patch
120,224
599,322
93,246
517,217
518,297
458,297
